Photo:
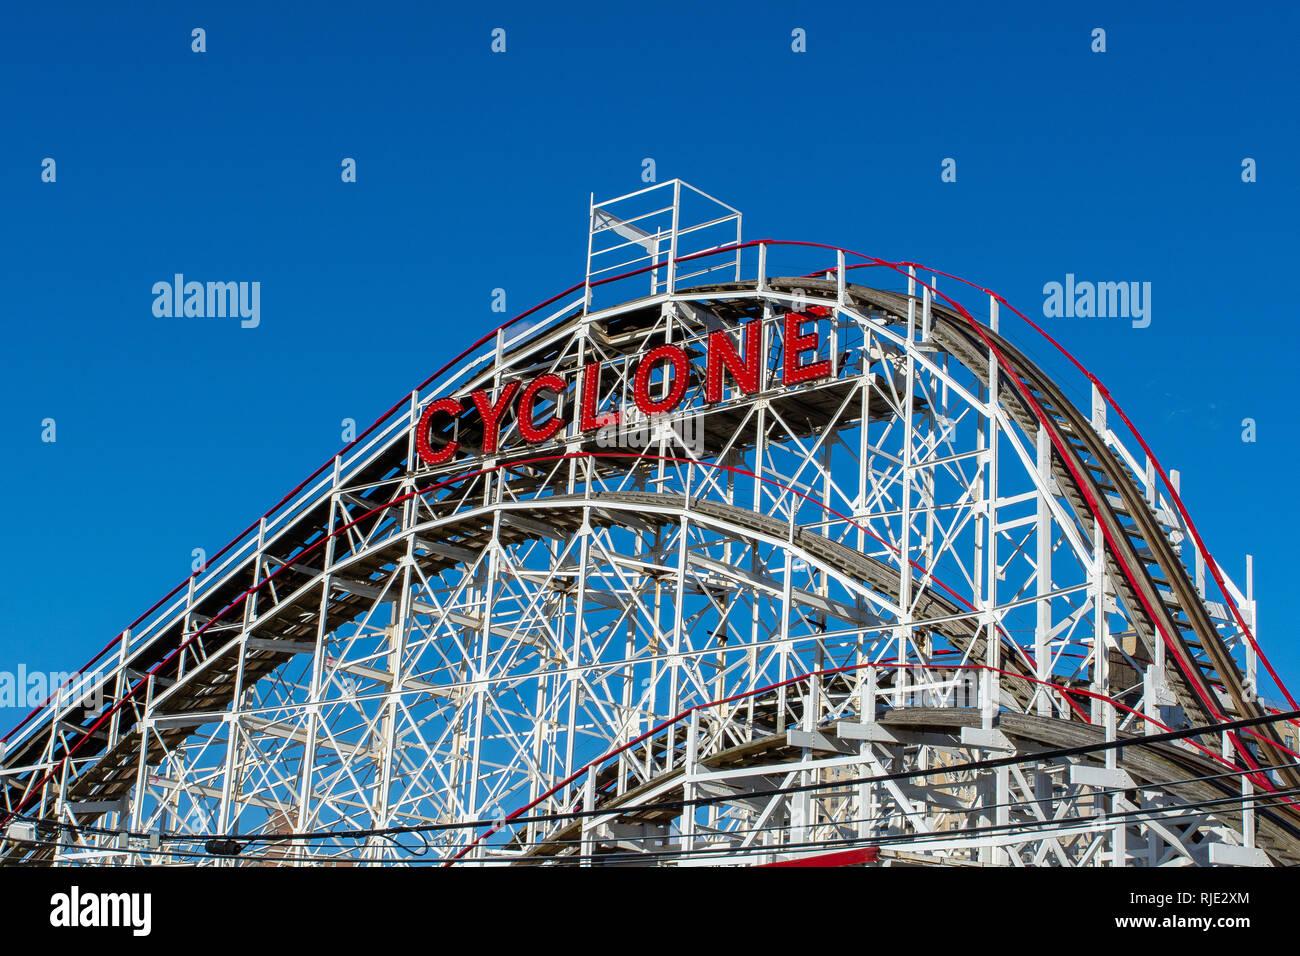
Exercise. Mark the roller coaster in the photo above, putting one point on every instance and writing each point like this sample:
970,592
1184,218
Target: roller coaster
905,598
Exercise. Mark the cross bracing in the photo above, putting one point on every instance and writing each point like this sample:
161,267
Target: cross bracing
927,555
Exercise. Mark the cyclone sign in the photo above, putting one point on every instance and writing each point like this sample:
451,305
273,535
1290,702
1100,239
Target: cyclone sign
535,425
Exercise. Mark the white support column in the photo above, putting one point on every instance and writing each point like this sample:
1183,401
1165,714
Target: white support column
672,242
1248,613
1247,812
687,819
481,689
925,311
1043,577
1101,710
904,627
588,826
1002,812
574,676
783,649
317,687
868,693
993,644
120,686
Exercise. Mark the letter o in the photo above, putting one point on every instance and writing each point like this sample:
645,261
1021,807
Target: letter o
530,431
681,366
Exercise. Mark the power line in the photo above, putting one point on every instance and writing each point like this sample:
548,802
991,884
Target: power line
235,843
1028,828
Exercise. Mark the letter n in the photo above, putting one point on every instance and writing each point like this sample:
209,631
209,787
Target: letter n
723,355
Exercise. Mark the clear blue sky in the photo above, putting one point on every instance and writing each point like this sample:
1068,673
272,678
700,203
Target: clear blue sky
474,171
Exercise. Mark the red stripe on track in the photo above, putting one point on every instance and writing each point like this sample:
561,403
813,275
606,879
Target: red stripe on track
866,854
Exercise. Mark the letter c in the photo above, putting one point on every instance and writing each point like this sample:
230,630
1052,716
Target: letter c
449,406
